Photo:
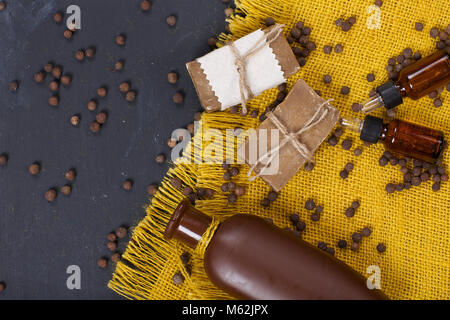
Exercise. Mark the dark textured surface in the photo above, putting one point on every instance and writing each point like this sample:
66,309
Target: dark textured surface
38,240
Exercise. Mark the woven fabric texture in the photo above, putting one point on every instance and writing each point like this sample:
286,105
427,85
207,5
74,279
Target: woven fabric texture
413,224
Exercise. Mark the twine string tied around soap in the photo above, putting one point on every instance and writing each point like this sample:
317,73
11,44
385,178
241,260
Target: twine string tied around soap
292,137
241,63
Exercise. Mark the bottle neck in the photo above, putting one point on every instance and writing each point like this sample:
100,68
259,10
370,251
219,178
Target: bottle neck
400,89
187,224
384,131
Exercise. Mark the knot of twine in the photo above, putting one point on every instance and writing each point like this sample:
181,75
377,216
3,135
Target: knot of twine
292,137
241,63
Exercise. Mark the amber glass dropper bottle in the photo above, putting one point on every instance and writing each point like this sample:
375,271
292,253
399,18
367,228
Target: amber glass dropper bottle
414,81
404,138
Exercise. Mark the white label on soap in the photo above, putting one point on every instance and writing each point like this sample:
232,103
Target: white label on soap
263,70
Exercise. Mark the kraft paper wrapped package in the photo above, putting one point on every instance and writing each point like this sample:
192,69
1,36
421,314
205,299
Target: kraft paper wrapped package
243,69
303,121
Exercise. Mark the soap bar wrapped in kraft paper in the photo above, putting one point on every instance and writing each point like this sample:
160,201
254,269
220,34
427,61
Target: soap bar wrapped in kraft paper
289,136
243,69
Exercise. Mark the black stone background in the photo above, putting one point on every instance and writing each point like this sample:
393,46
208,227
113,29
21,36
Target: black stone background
39,240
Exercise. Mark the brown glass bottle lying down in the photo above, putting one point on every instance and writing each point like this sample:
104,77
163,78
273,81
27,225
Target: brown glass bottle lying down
250,258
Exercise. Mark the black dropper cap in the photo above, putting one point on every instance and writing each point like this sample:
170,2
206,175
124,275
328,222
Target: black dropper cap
372,128
390,94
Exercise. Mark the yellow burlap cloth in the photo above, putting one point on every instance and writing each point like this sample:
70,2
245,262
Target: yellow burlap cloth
413,224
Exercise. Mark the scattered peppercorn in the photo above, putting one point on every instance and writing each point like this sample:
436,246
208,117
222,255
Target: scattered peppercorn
357,152
50,195
39,77
172,77
92,105
436,186
119,65
75,120
344,174
309,166
178,278
130,96
102,92
171,20
347,144
101,117
48,67
160,158
178,97
212,42
239,191
66,80
269,21
152,189
34,168
121,40
272,196
57,72
124,87
2,5
53,86
381,248
115,257
234,171
345,90
350,212
90,52
354,246
95,127
327,49
342,244
356,237
79,55
327,78
53,101
121,232
232,198
265,202
300,225
68,34
310,204
145,5
66,190
70,175
13,86
349,167
437,102
3,160
58,17
102,263
418,26
111,245
338,48
356,107
390,188
333,140
322,245
111,237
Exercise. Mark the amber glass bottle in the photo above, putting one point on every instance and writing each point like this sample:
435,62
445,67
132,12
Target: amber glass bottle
404,138
414,81
250,258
